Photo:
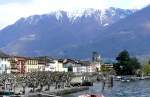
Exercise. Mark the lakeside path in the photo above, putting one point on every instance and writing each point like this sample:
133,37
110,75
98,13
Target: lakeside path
67,90
54,92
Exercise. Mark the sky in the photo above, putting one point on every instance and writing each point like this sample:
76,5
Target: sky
12,10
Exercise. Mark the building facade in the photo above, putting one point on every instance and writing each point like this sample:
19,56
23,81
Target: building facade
5,64
96,61
42,62
86,67
31,65
77,66
18,65
56,65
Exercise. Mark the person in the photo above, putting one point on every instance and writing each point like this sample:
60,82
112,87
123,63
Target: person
103,84
110,84
111,81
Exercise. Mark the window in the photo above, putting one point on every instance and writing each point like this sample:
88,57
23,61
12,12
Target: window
70,68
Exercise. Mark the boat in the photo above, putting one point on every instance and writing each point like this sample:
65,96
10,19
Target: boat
89,95
126,79
85,95
6,93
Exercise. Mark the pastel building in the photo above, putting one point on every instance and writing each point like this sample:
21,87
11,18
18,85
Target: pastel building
18,65
42,62
36,64
31,65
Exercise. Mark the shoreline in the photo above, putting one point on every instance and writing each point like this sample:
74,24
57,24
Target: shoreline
59,92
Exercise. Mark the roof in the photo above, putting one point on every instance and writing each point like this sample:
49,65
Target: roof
85,63
68,61
3,55
13,56
44,58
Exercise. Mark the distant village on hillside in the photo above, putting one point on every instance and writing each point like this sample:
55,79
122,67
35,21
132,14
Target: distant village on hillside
21,65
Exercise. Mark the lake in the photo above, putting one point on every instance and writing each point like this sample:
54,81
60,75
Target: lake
120,89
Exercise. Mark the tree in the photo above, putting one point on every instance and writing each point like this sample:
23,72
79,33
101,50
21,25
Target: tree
104,69
69,76
149,62
7,77
22,81
123,56
146,69
121,67
41,79
49,80
32,81
135,65
125,64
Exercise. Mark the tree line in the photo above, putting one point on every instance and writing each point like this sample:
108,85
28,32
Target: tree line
38,80
127,65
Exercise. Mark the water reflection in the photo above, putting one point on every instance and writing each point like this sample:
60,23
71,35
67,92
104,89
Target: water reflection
120,89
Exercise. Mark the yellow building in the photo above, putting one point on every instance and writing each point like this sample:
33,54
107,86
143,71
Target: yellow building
32,65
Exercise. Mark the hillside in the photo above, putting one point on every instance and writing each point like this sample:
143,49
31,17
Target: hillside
58,32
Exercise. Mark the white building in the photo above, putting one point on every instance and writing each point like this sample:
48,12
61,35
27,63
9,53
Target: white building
79,66
5,66
86,66
55,65
84,69
70,65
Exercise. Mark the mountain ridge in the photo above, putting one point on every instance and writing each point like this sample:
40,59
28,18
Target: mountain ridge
130,33
47,34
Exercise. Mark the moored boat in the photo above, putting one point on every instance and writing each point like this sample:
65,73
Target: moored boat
89,95
6,93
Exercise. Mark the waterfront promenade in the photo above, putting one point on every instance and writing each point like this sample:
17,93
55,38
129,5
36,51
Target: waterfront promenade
52,92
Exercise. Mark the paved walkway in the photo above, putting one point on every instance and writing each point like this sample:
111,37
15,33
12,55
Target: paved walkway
51,92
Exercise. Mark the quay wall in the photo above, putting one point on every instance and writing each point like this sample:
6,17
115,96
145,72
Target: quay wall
70,90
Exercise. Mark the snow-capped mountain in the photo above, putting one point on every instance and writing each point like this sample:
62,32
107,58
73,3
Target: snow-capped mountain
105,16
50,34
131,33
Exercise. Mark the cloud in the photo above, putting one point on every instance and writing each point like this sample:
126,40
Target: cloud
129,4
14,1
139,3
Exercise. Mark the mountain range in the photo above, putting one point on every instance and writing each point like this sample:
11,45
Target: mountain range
78,33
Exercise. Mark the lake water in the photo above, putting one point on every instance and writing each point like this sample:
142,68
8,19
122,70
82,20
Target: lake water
120,89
